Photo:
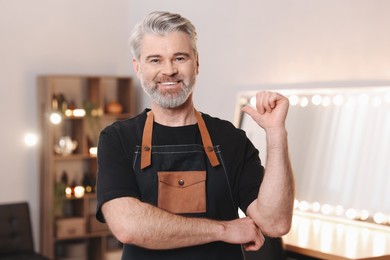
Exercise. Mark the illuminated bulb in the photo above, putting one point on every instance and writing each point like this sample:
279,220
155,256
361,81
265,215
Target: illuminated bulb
326,209
339,210
55,118
79,112
380,218
316,207
338,100
252,101
364,214
68,112
296,203
99,112
351,213
243,101
303,205
79,191
316,100
68,192
326,101
293,100
93,151
30,139
304,102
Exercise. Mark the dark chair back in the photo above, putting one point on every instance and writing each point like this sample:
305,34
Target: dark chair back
15,232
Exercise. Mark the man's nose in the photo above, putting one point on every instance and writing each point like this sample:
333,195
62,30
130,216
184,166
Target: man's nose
169,68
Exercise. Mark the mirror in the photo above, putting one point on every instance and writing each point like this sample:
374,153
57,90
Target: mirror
339,144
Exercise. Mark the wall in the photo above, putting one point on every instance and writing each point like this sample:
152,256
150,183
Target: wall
243,44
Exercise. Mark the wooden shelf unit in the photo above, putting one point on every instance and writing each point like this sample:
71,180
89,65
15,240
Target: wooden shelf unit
79,92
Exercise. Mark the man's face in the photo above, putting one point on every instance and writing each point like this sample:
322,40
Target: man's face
167,68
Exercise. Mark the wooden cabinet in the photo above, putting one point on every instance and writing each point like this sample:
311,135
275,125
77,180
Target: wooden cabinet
73,110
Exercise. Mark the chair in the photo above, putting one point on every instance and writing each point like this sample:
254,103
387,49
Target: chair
16,240
271,250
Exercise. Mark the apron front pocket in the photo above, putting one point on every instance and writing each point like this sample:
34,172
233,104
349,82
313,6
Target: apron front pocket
182,191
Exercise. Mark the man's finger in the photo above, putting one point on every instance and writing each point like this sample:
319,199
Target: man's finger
250,111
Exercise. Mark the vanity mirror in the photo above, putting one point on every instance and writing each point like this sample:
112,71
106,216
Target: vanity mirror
339,143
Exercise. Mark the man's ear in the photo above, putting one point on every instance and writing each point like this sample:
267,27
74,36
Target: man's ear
136,67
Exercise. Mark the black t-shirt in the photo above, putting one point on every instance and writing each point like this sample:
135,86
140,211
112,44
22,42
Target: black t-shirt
117,143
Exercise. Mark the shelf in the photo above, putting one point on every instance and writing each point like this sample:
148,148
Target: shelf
85,236
72,157
92,97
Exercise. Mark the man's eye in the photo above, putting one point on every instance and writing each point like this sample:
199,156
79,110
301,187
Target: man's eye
180,59
154,60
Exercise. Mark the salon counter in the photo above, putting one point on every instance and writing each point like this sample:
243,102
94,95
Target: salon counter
325,237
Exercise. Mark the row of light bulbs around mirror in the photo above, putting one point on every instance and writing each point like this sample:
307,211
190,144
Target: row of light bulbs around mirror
336,100
339,211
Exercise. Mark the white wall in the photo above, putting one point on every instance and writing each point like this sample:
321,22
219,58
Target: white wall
243,44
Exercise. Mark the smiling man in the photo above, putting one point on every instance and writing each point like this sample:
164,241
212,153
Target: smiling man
171,180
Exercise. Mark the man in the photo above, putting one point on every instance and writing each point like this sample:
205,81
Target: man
170,180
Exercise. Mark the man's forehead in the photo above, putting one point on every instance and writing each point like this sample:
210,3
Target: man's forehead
168,44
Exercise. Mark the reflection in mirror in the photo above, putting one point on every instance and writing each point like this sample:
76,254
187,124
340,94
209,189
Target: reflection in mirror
339,143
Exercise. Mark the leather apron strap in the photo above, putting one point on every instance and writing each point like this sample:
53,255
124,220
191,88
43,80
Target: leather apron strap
206,140
146,151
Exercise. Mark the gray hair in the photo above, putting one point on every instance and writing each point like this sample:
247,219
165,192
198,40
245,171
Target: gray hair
160,23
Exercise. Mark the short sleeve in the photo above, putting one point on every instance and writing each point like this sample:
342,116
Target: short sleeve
251,176
115,177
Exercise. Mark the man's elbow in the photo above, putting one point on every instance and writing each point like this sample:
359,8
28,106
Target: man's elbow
133,236
278,228
124,238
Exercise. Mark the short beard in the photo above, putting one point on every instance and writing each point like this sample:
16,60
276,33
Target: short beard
169,99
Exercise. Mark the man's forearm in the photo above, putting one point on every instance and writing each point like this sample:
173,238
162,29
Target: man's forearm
272,210
141,224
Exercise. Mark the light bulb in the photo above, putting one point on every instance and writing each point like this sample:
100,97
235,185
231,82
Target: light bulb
30,139
79,191
364,214
55,118
252,101
326,101
326,209
316,207
296,203
293,100
303,205
316,100
351,213
338,100
78,112
68,192
380,218
304,102
339,210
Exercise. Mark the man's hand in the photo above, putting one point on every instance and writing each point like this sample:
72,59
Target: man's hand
271,110
244,231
